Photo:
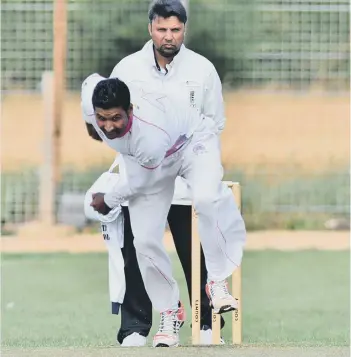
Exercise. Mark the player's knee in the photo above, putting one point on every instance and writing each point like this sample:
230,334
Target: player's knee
145,246
204,203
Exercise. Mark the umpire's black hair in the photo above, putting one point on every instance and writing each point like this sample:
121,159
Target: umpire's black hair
111,93
167,8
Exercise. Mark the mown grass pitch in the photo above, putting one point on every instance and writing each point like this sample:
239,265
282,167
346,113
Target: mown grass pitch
293,303
246,351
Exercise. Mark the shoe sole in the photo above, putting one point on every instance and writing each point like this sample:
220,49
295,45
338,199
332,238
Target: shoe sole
224,309
165,345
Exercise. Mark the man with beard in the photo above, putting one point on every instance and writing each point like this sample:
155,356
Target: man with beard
166,66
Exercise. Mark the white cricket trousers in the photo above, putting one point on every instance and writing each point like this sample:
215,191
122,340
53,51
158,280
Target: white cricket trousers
220,224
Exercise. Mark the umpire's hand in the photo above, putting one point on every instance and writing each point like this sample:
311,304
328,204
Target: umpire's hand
99,204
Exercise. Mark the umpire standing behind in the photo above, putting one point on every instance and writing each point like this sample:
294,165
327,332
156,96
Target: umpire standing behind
165,65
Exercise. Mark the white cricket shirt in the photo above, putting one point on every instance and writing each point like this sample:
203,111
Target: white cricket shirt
158,129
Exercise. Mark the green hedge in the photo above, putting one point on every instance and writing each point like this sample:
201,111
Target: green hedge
251,42
311,200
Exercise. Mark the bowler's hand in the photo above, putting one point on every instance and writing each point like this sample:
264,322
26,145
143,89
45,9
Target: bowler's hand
99,204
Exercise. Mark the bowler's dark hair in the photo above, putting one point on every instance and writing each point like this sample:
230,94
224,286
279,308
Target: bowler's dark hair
111,93
167,8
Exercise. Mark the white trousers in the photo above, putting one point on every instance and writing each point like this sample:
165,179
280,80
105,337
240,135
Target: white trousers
221,227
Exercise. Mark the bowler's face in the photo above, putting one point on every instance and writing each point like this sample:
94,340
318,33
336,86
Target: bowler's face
113,122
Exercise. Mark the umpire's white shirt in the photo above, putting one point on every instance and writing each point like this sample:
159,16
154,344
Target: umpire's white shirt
191,80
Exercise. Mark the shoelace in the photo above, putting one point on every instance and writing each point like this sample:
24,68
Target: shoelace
169,322
219,289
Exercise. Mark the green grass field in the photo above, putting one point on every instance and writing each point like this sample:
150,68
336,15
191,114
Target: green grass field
292,301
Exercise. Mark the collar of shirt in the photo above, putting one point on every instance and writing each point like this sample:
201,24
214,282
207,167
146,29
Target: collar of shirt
128,127
151,57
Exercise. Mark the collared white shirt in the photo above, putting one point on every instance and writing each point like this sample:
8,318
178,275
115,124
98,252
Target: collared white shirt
191,80
157,128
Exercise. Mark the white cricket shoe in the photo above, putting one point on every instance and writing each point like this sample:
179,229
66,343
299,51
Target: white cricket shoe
168,332
134,340
206,336
220,299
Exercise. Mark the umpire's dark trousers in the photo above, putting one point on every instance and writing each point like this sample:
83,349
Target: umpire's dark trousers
136,310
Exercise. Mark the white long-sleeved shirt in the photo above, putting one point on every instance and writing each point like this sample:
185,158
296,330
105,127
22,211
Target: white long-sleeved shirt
181,195
158,129
191,80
